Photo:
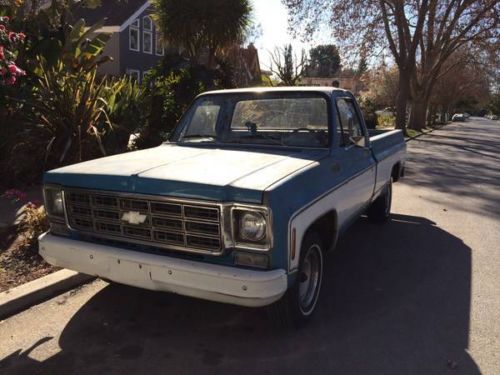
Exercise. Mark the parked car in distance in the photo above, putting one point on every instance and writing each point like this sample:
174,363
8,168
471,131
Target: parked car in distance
239,206
492,117
458,117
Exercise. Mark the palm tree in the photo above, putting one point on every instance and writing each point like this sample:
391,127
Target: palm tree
194,25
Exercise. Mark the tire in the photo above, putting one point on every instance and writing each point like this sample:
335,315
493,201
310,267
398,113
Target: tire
298,304
380,210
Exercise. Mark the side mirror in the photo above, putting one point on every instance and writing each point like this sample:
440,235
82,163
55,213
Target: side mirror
358,141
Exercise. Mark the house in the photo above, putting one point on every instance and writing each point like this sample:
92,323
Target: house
344,80
246,65
135,45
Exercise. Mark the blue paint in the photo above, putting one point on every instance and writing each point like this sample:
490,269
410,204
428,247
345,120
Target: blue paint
285,196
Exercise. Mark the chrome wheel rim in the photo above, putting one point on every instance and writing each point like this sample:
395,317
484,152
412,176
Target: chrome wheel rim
310,279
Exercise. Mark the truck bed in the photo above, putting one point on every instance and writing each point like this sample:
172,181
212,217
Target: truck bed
385,142
388,149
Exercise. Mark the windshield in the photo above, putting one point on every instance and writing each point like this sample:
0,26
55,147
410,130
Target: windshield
285,119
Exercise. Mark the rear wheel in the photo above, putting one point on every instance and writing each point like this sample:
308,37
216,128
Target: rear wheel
380,209
299,302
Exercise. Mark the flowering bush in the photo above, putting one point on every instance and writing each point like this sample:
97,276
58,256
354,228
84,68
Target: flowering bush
33,221
15,195
9,44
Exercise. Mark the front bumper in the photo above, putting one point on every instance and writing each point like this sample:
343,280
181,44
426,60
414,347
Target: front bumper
156,272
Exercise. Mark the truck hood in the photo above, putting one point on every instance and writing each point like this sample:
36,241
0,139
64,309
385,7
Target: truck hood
189,172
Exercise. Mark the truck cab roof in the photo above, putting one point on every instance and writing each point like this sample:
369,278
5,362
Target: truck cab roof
251,90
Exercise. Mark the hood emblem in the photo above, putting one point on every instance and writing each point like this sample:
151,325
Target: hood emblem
134,217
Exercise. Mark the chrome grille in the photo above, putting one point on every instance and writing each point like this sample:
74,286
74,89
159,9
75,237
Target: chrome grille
168,223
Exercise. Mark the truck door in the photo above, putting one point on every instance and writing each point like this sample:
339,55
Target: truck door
355,158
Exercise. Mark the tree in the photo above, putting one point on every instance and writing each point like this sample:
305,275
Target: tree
253,33
450,25
287,66
362,25
465,85
429,29
362,66
381,86
198,24
324,61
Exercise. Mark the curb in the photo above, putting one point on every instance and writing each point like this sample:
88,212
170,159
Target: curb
24,296
422,134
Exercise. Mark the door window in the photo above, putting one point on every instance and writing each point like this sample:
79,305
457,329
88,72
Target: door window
351,131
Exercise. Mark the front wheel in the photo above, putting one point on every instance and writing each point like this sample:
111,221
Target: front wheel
299,302
380,209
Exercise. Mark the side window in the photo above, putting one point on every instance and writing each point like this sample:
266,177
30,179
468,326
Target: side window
350,130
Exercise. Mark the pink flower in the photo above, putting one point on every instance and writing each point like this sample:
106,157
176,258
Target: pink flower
11,80
12,69
2,28
12,36
6,19
31,205
14,194
21,36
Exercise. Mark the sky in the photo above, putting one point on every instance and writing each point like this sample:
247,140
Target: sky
272,15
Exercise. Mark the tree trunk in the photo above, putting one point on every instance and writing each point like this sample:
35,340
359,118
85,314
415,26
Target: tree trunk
402,99
418,112
431,115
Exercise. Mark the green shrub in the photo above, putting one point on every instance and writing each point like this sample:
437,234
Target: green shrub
386,121
125,99
170,89
368,108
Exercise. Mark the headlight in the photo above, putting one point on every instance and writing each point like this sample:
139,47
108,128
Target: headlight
54,202
252,226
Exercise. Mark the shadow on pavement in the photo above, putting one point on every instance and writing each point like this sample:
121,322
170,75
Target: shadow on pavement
461,160
395,300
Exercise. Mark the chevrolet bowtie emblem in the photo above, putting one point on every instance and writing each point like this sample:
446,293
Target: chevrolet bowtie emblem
134,217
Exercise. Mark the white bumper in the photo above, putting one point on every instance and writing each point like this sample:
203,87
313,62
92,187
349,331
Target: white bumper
155,272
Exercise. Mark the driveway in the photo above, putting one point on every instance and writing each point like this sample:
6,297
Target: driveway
418,295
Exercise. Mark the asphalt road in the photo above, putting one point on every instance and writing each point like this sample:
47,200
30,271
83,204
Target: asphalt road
418,295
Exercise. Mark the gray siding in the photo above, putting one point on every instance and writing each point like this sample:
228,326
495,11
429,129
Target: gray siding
137,60
112,49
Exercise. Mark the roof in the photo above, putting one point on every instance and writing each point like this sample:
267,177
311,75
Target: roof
116,12
325,89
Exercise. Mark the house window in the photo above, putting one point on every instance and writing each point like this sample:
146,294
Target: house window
134,36
160,51
147,23
134,74
147,35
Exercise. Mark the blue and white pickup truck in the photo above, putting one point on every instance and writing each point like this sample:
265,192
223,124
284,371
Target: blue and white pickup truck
240,205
